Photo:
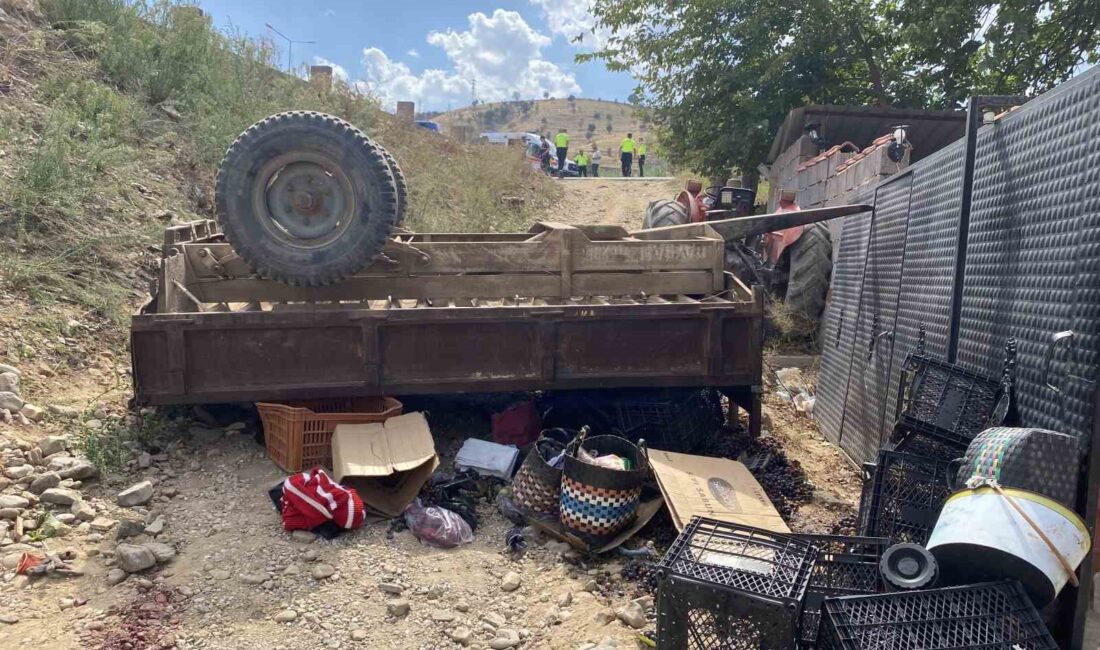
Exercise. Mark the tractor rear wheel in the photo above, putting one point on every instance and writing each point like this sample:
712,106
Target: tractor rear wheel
809,268
305,198
665,212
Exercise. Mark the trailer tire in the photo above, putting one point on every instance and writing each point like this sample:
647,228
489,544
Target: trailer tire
664,212
305,198
400,183
810,267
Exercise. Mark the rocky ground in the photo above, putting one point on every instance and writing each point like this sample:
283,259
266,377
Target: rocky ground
169,539
181,547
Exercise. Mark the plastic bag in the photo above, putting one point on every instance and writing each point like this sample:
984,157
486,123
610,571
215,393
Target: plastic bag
437,526
609,461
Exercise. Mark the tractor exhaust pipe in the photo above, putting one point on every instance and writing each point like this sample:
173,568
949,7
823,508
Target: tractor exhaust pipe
740,227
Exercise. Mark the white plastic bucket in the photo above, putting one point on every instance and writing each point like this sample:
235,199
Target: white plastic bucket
979,536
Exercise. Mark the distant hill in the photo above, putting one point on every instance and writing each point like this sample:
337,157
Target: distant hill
580,116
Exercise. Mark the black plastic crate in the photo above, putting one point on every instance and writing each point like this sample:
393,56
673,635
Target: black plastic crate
846,566
903,495
991,615
672,419
917,444
946,402
725,586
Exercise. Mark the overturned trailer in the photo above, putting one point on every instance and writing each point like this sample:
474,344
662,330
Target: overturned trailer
559,307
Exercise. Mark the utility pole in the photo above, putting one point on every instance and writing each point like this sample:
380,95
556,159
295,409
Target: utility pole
289,46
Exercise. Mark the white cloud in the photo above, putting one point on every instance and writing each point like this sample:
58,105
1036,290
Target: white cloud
501,54
571,19
413,53
338,71
328,13
392,81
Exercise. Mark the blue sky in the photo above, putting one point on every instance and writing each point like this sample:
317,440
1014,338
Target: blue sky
433,52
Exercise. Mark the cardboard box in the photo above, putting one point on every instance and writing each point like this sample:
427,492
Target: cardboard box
719,488
386,463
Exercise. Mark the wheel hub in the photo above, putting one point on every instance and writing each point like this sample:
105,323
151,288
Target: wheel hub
304,198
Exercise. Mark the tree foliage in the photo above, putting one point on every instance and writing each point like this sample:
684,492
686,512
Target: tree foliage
716,77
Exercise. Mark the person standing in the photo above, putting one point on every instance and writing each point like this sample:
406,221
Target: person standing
626,154
544,154
594,164
561,141
641,158
582,163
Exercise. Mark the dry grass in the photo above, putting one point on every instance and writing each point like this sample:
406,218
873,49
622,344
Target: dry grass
787,332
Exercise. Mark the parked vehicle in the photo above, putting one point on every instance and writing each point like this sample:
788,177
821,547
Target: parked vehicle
571,168
430,126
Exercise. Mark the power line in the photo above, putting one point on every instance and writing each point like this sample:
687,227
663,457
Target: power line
289,46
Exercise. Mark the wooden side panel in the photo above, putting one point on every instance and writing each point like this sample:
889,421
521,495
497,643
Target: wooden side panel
467,351
255,356
697,255
740,338
617,348
250,358
150,355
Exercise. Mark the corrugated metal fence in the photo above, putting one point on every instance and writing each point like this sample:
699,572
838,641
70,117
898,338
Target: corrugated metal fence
1032,270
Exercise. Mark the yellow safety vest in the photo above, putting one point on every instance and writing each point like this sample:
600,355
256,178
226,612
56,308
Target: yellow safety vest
641,150
627,146
582,160
561,140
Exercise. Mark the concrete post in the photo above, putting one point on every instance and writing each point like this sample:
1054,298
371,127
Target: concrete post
406,110
320,78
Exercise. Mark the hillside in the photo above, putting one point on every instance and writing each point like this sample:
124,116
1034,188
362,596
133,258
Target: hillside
113,119
580,116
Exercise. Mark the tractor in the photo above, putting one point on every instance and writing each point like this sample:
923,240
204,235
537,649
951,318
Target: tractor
794,264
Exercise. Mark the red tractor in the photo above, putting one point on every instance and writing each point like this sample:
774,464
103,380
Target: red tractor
794,264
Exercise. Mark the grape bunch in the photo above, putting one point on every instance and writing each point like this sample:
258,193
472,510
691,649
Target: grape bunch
642,572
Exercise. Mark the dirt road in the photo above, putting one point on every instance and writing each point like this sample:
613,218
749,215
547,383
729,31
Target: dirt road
239,581
611,201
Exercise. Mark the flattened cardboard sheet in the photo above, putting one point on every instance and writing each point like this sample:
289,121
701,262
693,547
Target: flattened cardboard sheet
719,488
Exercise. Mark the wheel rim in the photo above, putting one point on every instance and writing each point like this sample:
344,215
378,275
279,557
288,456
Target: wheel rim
304,199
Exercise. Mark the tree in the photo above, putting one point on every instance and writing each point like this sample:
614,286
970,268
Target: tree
515,96
718,96
546,94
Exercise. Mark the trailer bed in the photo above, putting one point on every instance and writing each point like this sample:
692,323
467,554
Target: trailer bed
558,308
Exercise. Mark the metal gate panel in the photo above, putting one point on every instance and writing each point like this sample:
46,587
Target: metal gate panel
865,403
928,272
839,325
1033,252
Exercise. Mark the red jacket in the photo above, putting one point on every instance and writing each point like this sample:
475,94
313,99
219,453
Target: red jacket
312,498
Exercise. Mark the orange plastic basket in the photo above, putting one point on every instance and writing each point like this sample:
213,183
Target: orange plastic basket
298,434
